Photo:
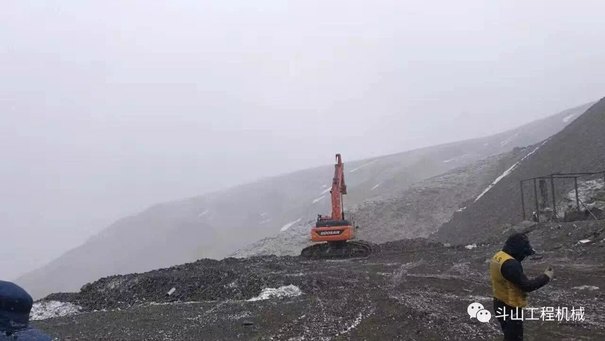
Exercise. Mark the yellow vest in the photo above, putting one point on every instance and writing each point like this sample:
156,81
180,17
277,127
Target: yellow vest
503,289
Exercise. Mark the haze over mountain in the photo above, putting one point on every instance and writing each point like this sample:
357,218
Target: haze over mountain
107,107
162,163
410,281
392,211
218,224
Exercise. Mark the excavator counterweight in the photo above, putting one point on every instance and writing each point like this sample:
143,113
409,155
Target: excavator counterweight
334,232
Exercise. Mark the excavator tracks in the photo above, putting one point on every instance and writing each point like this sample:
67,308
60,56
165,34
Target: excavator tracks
337,250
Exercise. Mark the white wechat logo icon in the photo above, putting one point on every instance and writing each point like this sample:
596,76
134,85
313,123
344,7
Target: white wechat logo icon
478,311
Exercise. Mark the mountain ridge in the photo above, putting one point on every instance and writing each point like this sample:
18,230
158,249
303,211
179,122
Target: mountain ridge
216,224
577,148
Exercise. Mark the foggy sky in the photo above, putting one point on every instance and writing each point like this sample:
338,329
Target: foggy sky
107,107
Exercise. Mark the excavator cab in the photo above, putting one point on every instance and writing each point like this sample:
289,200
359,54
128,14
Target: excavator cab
334,234
332,230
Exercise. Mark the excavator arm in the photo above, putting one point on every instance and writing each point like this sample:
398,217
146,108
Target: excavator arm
335,230
338,189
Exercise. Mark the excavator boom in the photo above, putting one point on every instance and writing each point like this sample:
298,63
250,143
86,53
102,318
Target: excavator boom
335,231
338,189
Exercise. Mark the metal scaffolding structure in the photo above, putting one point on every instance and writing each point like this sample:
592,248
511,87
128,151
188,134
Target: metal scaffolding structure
540,183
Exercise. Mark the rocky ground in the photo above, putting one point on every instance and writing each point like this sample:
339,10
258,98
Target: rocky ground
406,290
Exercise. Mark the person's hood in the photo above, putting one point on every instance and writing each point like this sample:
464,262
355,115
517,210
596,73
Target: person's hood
518,246
15,305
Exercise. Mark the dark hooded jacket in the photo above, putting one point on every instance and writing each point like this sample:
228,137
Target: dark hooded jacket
518,246
15,306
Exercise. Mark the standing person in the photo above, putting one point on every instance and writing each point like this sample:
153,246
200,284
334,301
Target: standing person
510,285
15,306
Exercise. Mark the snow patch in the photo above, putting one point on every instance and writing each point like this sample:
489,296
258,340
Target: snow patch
163,303
353,325
299,274
508,140
461,209
481,298
171,291
325,191
362,166
315,201
588,193
281,292
568,118
115,283
471,246
50,309
290,224
584,241
203,214
508,171
239,316
586,287
457,158
376,186
498,179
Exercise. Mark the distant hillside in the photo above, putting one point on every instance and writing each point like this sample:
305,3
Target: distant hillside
217,224
414,212
580,147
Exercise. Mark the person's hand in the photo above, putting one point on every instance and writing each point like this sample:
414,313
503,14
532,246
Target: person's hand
549,272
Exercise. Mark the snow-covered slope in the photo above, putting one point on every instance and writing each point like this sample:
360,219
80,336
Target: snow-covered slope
217,224
415,212
580,147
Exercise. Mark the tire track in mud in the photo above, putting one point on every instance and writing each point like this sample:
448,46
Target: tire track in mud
330,313
432,304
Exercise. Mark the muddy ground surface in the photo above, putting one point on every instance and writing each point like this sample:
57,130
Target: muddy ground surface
406,290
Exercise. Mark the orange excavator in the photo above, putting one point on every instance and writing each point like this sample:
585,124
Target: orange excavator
334,232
